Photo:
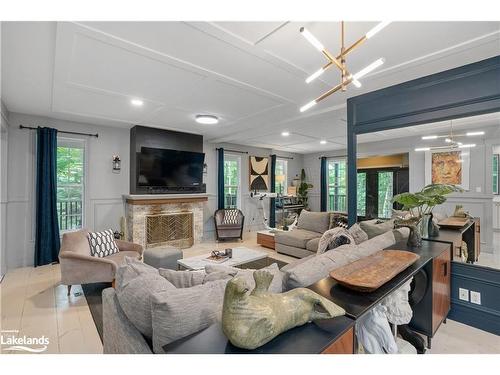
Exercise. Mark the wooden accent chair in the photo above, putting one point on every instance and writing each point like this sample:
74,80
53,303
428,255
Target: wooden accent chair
229,224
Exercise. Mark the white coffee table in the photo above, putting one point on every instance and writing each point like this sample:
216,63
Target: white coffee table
241,255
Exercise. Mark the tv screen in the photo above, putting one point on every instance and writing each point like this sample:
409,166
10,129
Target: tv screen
170,168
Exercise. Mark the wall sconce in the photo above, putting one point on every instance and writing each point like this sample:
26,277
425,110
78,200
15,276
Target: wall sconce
116,164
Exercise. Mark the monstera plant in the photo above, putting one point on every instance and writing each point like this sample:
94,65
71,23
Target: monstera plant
420,206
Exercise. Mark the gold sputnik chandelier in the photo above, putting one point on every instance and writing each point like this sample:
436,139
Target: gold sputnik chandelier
340,62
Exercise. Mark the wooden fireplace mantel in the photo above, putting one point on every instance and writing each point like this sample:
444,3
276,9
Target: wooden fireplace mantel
149,199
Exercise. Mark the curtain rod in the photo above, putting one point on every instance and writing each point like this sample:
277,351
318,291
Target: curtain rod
62,131
238,152
333,157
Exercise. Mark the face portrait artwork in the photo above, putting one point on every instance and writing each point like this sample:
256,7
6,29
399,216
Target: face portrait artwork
447,168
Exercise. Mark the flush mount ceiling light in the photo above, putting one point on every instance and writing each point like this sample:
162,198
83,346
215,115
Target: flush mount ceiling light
206,119
137,102
340,62
451,140
285,134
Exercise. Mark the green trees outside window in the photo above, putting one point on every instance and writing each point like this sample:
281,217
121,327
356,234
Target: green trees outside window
70,185
231,181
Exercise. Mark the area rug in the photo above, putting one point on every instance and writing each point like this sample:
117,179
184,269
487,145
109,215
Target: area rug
93,295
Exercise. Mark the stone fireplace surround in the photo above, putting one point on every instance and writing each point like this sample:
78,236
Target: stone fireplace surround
138,207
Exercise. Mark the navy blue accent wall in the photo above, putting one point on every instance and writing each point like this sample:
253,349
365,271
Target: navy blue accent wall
324,184
220,178
272,201
464,91
479,279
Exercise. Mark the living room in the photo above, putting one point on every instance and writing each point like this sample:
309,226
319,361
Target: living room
369,215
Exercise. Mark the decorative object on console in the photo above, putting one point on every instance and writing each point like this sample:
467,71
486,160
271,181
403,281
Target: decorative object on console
340,62
117,164
420,206
370,273
459,211
251,319
259,173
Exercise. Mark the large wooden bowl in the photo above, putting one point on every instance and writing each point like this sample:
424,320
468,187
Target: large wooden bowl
370,273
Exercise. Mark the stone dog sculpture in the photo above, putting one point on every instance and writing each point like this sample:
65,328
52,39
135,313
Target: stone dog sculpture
251,319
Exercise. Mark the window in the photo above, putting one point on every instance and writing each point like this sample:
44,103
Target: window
281,177
495,173
70,183
337,185
385,193
361,191
232,188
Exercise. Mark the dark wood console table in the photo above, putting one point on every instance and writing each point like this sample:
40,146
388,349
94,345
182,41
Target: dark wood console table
331,336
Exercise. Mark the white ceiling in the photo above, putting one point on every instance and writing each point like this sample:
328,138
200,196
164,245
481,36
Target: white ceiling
250,74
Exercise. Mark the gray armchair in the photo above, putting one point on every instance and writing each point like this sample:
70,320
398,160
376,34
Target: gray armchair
229,224
79,267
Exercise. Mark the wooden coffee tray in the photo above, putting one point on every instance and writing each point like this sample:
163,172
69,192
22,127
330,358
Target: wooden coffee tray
370,273
454,222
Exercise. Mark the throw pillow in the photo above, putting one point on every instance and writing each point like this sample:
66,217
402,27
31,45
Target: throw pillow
130,269
275,287
313,221
338,220
188,279
374,228
333,238
178,313
136,296
102,244
231,217
358,234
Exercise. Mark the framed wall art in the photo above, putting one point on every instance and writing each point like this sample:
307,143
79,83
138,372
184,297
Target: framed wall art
448,166
259,173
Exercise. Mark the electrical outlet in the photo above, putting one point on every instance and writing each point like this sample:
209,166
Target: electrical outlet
475,297
463,294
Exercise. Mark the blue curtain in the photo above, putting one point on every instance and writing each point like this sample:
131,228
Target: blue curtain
324,184
47,241
272,202
220,178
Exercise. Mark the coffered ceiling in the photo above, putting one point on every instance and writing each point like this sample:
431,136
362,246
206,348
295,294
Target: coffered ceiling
249,74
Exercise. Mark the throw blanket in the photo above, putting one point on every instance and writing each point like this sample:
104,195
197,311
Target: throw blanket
331,236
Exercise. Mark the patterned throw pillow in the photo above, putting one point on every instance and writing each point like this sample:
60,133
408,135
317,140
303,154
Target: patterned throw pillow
231,217
334,238
102,244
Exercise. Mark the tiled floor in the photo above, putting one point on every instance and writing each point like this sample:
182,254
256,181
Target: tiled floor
34,303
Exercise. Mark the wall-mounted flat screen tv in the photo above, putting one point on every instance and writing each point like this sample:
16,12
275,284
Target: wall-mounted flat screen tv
163,168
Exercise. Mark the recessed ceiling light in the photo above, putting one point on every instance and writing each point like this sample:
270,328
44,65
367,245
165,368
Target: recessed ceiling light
285,134
137,102
323,142
469,134
206,119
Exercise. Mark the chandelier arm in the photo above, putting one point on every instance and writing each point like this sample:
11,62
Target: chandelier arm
336,62
353,46
333,90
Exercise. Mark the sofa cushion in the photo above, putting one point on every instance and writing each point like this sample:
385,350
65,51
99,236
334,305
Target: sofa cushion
312,245
314,221
188,279
177,313
358,234
136,296
296,237
130,268
276,284
102,244
376,227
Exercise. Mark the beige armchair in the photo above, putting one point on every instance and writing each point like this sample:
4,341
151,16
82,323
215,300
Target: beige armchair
79,267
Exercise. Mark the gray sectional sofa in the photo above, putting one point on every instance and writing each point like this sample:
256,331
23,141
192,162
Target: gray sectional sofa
150,308
303,240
